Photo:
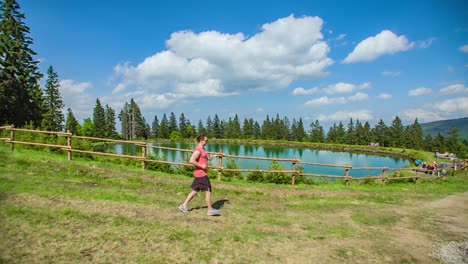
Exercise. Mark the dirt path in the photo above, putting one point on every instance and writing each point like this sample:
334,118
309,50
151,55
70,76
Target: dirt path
454,214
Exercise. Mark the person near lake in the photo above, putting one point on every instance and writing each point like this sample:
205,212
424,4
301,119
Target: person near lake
199,159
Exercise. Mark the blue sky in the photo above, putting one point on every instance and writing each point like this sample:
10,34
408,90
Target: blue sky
316,60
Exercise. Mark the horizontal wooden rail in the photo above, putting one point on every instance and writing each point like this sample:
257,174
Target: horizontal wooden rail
256,158
324,175
107,154
167,148
324,164
42,131
369,168
38,144
113,140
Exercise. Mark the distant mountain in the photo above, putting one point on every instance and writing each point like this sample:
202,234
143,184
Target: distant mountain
444,127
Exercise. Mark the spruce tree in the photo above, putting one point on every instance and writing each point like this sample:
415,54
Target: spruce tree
164,128
20,93
71,124
52,103
155,127
99,120
109,115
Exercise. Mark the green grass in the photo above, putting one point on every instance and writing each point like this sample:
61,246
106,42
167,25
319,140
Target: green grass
57,211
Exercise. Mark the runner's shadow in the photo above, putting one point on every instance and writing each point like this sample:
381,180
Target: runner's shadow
220,203
217,205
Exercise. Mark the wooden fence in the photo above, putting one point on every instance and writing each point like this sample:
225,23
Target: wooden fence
415,173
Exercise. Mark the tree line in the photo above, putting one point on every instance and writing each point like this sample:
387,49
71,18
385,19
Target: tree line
24,103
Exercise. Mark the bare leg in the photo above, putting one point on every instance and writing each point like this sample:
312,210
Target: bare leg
189,198
208,200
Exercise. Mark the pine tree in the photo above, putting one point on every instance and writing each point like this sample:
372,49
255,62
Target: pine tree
201,128
110,130
164,128
155,127
217,128
173,123
396,131
52,103
99,120
316,132
183,126
351,136
71,124
124,118
381,133
247,129
20,93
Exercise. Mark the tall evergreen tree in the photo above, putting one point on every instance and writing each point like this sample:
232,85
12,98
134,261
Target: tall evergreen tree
396,131
201,128
316,132
414,136
257,131
183,126
452,141
173,127
217,128
110,130
247,129
71,124
155,127
164,128
351,136
99,120
381,134
20,93
125,121
52,103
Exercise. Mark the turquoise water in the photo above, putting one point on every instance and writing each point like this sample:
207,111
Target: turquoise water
305,155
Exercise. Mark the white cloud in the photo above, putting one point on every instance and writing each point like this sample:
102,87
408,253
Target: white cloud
366,85
426,44
447,109
358,97
213,63
337,88
76,97
391,73
463,48
340,88
419,91
363,114
384,96
302,91
325,100
454,89
341,36
386,42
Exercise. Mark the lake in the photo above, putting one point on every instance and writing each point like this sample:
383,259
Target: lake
303,154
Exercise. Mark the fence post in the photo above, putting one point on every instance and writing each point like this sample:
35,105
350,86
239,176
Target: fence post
293,178
383,175
12,138
347,175
220,164
143,154
69,136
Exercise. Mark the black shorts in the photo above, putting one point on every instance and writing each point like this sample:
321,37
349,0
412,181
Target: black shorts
201,184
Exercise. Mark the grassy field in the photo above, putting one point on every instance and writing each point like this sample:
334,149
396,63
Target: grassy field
58,211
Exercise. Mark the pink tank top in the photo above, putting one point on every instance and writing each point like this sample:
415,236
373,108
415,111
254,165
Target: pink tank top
203,159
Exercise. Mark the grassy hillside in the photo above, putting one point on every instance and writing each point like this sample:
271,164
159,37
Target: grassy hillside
444,127
57,211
